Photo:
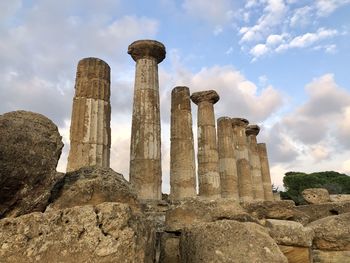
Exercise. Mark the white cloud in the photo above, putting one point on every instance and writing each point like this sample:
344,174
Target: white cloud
259,50
239,96
273,16
326,7
302,16
308,39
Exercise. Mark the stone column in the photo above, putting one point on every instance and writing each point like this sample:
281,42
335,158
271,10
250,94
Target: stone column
242,159
254,160
145,148
227,161
90,132
208,172
182,163
265,172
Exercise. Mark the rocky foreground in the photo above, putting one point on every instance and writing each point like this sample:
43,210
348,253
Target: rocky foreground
93,214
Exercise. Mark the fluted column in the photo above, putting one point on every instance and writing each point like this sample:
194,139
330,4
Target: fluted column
208,172
227,161
90,133
145,148
265,172
242,159
254,160
182,163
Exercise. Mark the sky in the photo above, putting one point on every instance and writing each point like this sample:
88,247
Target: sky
281,64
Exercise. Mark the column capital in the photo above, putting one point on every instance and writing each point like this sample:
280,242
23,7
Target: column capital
240,122
147,49
208,95
252,129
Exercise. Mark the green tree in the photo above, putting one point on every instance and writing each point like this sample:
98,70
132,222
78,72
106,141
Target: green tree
295,182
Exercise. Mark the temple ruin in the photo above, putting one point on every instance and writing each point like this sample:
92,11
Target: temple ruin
90,132
92,214
231,163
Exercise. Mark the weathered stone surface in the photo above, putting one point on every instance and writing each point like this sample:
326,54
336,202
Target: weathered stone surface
316,195
318,211
182,162
332,233
340,198
145,149
30,146
254,161
109,232
296,254
290,233
227,160
208,95
195,210
169,248
245,186
92,186
208,159
149,49
265,172
90,132
229,241
285,210
320,256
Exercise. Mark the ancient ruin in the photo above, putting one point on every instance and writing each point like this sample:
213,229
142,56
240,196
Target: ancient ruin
145,148
265,171
227,160
254,160
182,161
90,132
208,159
92,214
245,186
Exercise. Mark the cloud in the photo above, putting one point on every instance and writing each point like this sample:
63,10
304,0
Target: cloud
239,96
308,39
280,26
259,50
326,7
302,16
273,16
317,129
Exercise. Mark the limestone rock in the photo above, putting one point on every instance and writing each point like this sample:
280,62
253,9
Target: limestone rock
169,248
332,233
318,211
109,232
229,241
195,210
30,146
285,210
296,254
92,186
320,256
316,195
290,233
340,198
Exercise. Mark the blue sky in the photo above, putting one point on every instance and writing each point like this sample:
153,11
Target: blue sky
283,64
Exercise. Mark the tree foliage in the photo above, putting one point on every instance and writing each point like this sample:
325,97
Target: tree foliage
295,182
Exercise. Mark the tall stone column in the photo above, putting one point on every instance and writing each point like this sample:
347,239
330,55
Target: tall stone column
265,172
182,163
90,132
227,161
145,148
242,159
208,172
254,160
